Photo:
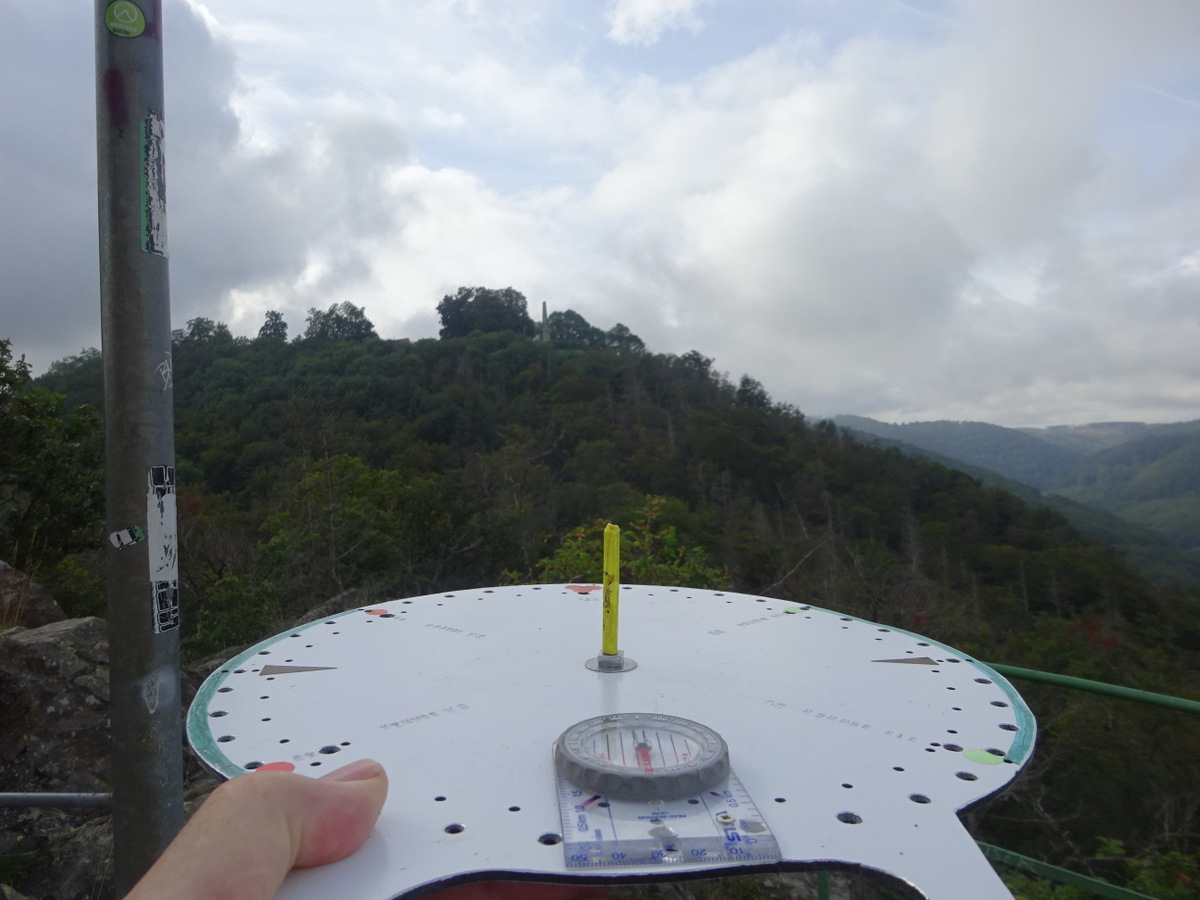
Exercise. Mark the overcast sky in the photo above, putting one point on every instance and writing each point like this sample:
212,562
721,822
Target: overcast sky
963,209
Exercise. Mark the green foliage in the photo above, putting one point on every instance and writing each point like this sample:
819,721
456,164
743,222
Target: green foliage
485,310
1153,533
274,328
651,553
51,491
1028,887
1153,480
341,322
1168,875
79,378
236,612
569,330
738,887
1008,451
202,330
77,584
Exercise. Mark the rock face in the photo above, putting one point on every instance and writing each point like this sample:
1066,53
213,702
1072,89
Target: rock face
54,718
24,602
54,707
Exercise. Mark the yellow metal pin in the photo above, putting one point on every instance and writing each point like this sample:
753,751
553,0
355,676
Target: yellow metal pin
612,588
611,659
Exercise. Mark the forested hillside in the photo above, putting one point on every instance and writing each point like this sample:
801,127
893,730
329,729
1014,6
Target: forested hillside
1010,452
1146,516
1153,480
340,460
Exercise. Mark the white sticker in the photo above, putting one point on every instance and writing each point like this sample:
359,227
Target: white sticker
163,538
154,187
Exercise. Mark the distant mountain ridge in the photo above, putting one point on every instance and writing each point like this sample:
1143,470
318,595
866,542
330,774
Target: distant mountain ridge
1011,452
1091,438
1147,476
1153,480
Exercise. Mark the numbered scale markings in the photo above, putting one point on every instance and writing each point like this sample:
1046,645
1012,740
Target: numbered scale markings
720,825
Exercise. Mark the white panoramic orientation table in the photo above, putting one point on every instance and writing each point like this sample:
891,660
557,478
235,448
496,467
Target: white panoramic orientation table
745,734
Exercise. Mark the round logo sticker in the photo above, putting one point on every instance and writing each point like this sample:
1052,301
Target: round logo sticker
124,19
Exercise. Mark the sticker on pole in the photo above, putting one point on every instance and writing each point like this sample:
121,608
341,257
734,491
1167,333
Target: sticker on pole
154,187
162,533
124,19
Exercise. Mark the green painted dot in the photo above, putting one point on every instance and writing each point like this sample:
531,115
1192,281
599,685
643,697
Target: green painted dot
982,756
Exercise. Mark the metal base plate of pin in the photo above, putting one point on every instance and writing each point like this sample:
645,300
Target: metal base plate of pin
611,662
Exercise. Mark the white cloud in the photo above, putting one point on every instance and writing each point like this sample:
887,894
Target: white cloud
986,211
645,21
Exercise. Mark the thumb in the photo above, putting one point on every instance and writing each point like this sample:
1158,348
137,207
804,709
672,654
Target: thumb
330,817
253,829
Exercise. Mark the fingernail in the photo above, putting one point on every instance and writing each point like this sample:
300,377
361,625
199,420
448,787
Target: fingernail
355,771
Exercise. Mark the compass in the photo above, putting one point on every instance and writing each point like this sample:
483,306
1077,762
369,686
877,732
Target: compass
642,756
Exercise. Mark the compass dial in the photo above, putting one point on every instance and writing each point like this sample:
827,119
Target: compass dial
642,756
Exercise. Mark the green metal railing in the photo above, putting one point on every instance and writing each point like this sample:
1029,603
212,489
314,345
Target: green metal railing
1035,866
1099,687
1056,873
1059,874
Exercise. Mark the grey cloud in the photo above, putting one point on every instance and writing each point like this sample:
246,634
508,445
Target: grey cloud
294,219
49,295
956,219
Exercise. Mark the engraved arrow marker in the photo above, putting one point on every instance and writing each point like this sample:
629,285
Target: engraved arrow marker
289,670
911,660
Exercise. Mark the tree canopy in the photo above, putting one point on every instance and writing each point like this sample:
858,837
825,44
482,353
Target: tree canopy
484,309
274,328
51,492
341,322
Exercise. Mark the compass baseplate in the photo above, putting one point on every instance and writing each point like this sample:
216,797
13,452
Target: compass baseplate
858,743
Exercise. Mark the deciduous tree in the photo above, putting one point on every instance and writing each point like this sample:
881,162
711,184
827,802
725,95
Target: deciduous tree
484,309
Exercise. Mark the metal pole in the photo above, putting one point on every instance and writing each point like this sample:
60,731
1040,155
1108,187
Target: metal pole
143,609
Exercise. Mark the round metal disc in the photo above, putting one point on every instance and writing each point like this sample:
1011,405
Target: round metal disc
859,743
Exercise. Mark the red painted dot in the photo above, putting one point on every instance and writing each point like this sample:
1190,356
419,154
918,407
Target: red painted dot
583,588
375,612
276,767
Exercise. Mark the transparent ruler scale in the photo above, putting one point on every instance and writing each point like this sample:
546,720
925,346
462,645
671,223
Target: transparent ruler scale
718,826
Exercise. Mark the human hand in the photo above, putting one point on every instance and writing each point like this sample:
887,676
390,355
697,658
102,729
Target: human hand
254,829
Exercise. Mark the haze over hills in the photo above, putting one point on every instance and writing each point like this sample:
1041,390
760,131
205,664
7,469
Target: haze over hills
1091,438
1011,452
1142,474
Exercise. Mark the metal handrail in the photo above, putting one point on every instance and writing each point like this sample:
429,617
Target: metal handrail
23,799
1059,874
1070,682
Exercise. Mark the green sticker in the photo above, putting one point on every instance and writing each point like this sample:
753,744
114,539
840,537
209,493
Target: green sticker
983,756
124,19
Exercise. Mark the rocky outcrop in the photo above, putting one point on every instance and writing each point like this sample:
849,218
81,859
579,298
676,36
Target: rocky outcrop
54,718
24,601
54,707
